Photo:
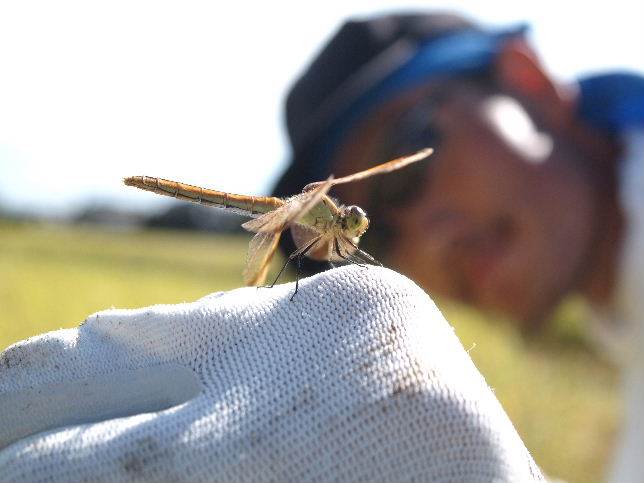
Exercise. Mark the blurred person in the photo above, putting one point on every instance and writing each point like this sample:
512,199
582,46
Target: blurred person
535,190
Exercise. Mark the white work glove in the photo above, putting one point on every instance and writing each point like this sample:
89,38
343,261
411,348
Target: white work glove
358,378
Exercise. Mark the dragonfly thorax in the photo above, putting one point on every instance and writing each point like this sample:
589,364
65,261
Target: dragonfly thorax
354,221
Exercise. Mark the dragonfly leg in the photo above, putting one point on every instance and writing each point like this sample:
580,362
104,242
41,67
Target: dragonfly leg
297,275
299,252
363,253
359,257
279,274
347,257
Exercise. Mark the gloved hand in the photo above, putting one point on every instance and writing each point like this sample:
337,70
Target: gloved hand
358,378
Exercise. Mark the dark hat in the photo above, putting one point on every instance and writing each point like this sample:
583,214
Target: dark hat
357,57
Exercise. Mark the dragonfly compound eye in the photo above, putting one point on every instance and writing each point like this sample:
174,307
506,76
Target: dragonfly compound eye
355,221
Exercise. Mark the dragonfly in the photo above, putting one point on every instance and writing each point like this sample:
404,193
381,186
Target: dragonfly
321,228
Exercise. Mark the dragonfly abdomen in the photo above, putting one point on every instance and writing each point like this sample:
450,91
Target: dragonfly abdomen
241,204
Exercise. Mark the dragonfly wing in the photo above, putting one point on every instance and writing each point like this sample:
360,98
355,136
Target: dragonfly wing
383,168
279,219
260,252
266,222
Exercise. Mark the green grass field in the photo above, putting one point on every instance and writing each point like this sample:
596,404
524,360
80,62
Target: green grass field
561,397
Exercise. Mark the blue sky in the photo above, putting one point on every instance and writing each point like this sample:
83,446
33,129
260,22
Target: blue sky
91,92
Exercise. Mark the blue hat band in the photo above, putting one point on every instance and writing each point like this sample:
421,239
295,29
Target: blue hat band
459,53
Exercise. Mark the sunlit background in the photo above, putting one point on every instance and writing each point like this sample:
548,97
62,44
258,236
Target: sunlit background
94,91
91,92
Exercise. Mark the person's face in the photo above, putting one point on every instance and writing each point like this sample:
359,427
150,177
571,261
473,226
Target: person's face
504,220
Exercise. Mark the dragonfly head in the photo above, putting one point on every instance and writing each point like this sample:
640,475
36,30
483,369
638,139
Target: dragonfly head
354,221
